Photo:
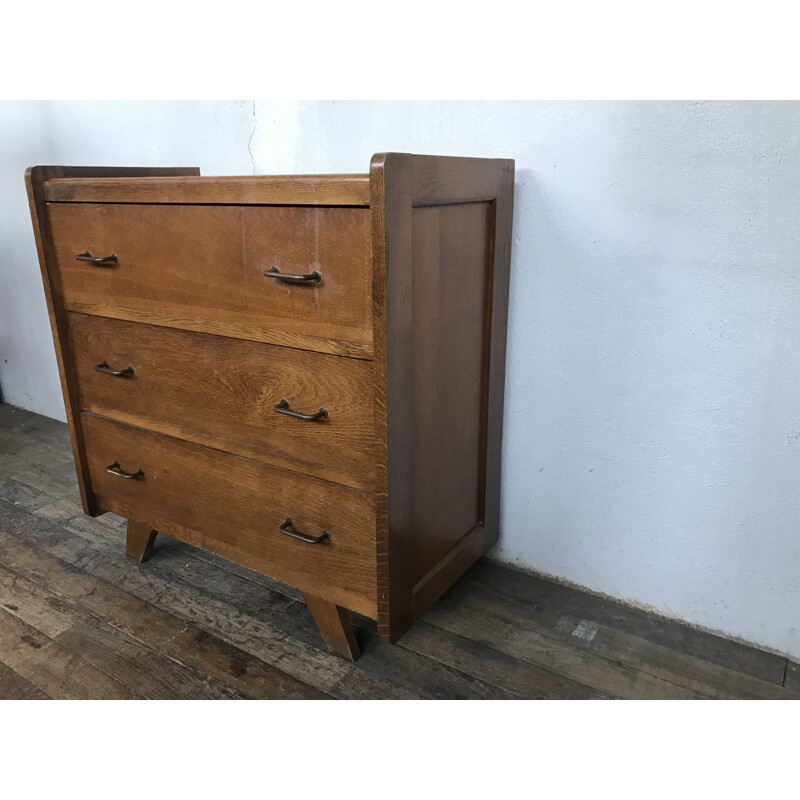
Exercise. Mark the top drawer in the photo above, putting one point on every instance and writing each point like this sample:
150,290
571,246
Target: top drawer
202,268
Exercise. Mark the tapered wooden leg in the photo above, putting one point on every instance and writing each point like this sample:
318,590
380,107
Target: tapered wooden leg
334,624
140,541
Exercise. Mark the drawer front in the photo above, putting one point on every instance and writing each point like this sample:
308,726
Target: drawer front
202,268
198,386
235,507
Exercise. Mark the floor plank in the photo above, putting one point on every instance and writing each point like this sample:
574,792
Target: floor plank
52,669
151,674
146,671
550,600
496,622
524,680
20,494
15,687
707,678
793,676
180,641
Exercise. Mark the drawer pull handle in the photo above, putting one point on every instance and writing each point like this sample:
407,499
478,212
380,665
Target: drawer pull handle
303,537
100,261
118,373
283,408
312,277
115,469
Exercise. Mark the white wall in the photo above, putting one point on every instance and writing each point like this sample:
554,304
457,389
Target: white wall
212,135
652,439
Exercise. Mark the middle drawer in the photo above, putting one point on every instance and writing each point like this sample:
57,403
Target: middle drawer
223,393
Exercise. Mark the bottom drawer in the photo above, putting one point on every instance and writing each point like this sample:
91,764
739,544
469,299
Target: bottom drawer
235,507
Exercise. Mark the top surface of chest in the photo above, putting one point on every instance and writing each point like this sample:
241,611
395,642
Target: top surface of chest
341,190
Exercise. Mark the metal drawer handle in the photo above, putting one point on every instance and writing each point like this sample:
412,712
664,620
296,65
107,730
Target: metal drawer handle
100,261
312,277
119,373
283,408
115,469
303,537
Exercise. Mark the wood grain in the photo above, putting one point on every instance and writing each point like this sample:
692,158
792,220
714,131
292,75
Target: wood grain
15,687
390,178
230,328
521,678
792,680
445,572
52,669
143,671
342,190
140,539
157,628
495,348
35,181
334,625
440,287
546,602
486,619
333,241
444,180
222,392
451,287
663,663
201,267
234,507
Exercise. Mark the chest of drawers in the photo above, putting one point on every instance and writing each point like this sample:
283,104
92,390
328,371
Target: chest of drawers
303,374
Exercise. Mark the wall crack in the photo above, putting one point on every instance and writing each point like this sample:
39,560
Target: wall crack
250,140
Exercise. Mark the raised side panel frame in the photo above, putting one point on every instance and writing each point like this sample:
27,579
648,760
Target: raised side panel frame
400,182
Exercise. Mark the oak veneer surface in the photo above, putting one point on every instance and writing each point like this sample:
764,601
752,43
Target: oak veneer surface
234,507
341,190
36,180
222,392
440,228
201,267
140,540
450,340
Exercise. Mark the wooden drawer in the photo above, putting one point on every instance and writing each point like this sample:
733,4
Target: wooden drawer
222,392
234,507
202,268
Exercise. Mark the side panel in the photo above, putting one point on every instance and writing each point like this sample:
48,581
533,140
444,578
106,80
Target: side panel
450,293
441,247
390,179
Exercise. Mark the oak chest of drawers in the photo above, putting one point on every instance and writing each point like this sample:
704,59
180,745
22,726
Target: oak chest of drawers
303,374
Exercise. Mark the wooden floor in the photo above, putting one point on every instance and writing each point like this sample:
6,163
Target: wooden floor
80,620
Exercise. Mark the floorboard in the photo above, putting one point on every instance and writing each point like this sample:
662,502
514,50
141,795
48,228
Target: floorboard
552,599
80,620
15,687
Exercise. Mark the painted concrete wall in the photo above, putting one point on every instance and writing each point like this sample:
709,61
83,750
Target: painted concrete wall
652,447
